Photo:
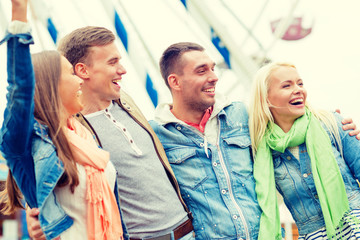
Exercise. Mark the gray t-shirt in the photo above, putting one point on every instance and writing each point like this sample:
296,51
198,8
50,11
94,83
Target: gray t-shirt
149,202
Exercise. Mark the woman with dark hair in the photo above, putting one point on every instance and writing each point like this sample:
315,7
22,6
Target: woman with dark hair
53,160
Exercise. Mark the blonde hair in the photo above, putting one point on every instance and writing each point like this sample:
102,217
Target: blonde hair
260,113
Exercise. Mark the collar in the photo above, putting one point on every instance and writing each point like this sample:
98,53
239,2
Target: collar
201,126
163,114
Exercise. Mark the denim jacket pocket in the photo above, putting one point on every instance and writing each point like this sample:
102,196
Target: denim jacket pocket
280,170
238,156
188,168
242,141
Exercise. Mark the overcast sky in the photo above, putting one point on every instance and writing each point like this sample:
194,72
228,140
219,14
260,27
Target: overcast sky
328,59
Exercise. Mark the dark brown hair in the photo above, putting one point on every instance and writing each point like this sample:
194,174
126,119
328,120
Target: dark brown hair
76,45
170,61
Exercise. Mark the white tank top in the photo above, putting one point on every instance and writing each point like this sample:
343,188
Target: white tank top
75,204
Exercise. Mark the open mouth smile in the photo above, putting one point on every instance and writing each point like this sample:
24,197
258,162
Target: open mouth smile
297,101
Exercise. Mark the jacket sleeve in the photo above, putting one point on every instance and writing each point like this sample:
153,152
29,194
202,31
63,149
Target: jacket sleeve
351,148
17,127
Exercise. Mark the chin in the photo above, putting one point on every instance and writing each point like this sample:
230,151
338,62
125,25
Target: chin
78,108
116,95
299,115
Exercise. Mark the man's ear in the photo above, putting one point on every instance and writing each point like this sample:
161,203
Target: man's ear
81,70
173,81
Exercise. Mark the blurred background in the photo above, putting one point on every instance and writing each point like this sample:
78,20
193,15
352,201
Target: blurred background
320,37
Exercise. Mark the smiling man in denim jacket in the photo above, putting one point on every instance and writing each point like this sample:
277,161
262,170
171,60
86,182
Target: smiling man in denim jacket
207,142
206,139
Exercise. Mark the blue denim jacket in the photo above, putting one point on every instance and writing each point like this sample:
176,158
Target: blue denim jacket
216,181
25,144
296,184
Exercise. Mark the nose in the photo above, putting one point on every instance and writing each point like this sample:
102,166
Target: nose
298,89
213,77
121,70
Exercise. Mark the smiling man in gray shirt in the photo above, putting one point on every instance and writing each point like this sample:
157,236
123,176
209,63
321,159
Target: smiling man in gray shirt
151,203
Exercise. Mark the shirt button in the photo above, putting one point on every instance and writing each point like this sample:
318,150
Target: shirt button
215,164
234,217
124,103
305,175
316,196
106,110
223,191
131,141
288,158
178,128
114,121
201,144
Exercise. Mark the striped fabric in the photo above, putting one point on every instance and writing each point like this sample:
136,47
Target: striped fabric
348,231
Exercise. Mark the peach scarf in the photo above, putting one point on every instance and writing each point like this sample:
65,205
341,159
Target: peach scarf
103,216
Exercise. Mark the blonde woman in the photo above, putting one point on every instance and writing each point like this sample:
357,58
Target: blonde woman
53,160
305,155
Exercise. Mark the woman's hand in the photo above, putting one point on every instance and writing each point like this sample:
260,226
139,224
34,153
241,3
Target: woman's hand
33,224
19,10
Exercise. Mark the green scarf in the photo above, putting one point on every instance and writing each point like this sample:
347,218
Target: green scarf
326,173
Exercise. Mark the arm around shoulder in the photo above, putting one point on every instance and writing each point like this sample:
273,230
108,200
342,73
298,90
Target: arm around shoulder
350,147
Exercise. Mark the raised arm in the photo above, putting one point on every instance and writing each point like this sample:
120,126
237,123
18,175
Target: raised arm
19,10
18,117
16,131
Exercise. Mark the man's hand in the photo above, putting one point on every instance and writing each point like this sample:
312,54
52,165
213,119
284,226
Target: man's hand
33,224
349,125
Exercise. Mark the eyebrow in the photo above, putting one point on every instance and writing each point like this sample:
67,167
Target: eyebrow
204,65
287,81
114,59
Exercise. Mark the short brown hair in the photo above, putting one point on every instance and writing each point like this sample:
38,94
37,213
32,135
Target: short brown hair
75,46
170,60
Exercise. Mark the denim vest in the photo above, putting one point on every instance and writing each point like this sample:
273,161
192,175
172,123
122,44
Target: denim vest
24,143
294,180
216,181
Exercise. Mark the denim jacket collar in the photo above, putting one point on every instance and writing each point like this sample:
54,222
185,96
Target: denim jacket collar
164,116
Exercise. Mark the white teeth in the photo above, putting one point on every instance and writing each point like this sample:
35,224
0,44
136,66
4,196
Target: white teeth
209,90
116,82
297,101
78,93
